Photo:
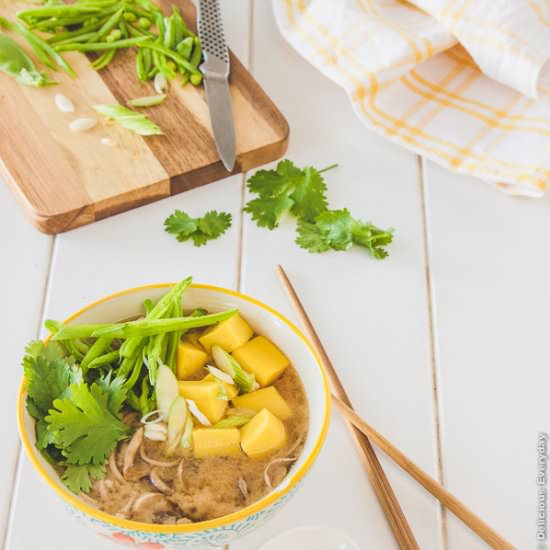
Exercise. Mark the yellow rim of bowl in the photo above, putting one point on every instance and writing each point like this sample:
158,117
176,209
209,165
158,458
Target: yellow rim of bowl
203,525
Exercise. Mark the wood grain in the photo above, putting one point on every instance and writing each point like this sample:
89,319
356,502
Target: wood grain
63,180
381,485
485,531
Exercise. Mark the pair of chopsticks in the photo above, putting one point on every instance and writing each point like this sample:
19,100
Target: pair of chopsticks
364,434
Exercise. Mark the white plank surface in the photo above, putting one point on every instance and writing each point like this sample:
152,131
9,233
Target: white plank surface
489,257
24,268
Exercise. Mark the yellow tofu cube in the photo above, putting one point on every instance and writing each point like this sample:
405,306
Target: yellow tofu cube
209,442
190,359
205,394
263,435
229,334
231,389
213,408
198,389
193,339
263,359
266,398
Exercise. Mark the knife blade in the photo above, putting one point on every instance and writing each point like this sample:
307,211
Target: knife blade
215,69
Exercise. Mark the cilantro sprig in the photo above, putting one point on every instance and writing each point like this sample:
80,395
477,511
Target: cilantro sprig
302,193
338,230
287,189
85,423
79,384
200,230
77,425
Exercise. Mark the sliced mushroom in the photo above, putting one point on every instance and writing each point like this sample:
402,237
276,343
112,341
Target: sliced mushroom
154,462
275,461
151,502
102,489
158,482
131,451
125,510
243,487
138,471
113,468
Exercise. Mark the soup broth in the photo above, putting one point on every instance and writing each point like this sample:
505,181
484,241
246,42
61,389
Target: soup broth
192,489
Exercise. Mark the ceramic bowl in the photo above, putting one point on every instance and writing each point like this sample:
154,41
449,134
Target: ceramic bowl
224,530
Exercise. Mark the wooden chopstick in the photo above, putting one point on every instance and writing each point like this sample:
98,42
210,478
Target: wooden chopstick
448,500
390,505
482,529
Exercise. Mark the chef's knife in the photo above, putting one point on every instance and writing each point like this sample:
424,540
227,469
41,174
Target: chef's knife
215,68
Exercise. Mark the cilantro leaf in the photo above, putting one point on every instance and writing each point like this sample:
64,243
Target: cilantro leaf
287,188
115,389
268,183
214,223
200,230
310,238
264,182
267,211
47,374
80,478
83,425
372,238
199,238
44,438
309,197
180,224
338,230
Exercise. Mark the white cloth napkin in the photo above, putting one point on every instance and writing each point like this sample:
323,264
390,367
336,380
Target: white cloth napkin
465,83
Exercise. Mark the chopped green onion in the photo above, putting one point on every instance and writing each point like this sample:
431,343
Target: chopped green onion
148,100
197,413
177,420
232,422
166,389
135,122
187,433
244,380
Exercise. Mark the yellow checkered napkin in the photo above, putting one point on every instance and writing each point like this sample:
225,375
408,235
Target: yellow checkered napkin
465,82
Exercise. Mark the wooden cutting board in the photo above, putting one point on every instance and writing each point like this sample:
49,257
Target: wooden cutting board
64,179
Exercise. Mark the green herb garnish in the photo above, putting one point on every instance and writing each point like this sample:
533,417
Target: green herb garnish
43,50
244,380
147,101
15,62
166,45
142,327
77,425
302,193
287,189
84,425
135,122
200,230
338,230
233,422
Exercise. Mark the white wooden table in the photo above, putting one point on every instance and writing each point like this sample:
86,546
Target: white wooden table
444,346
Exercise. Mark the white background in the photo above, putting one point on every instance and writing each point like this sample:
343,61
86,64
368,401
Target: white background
443,346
